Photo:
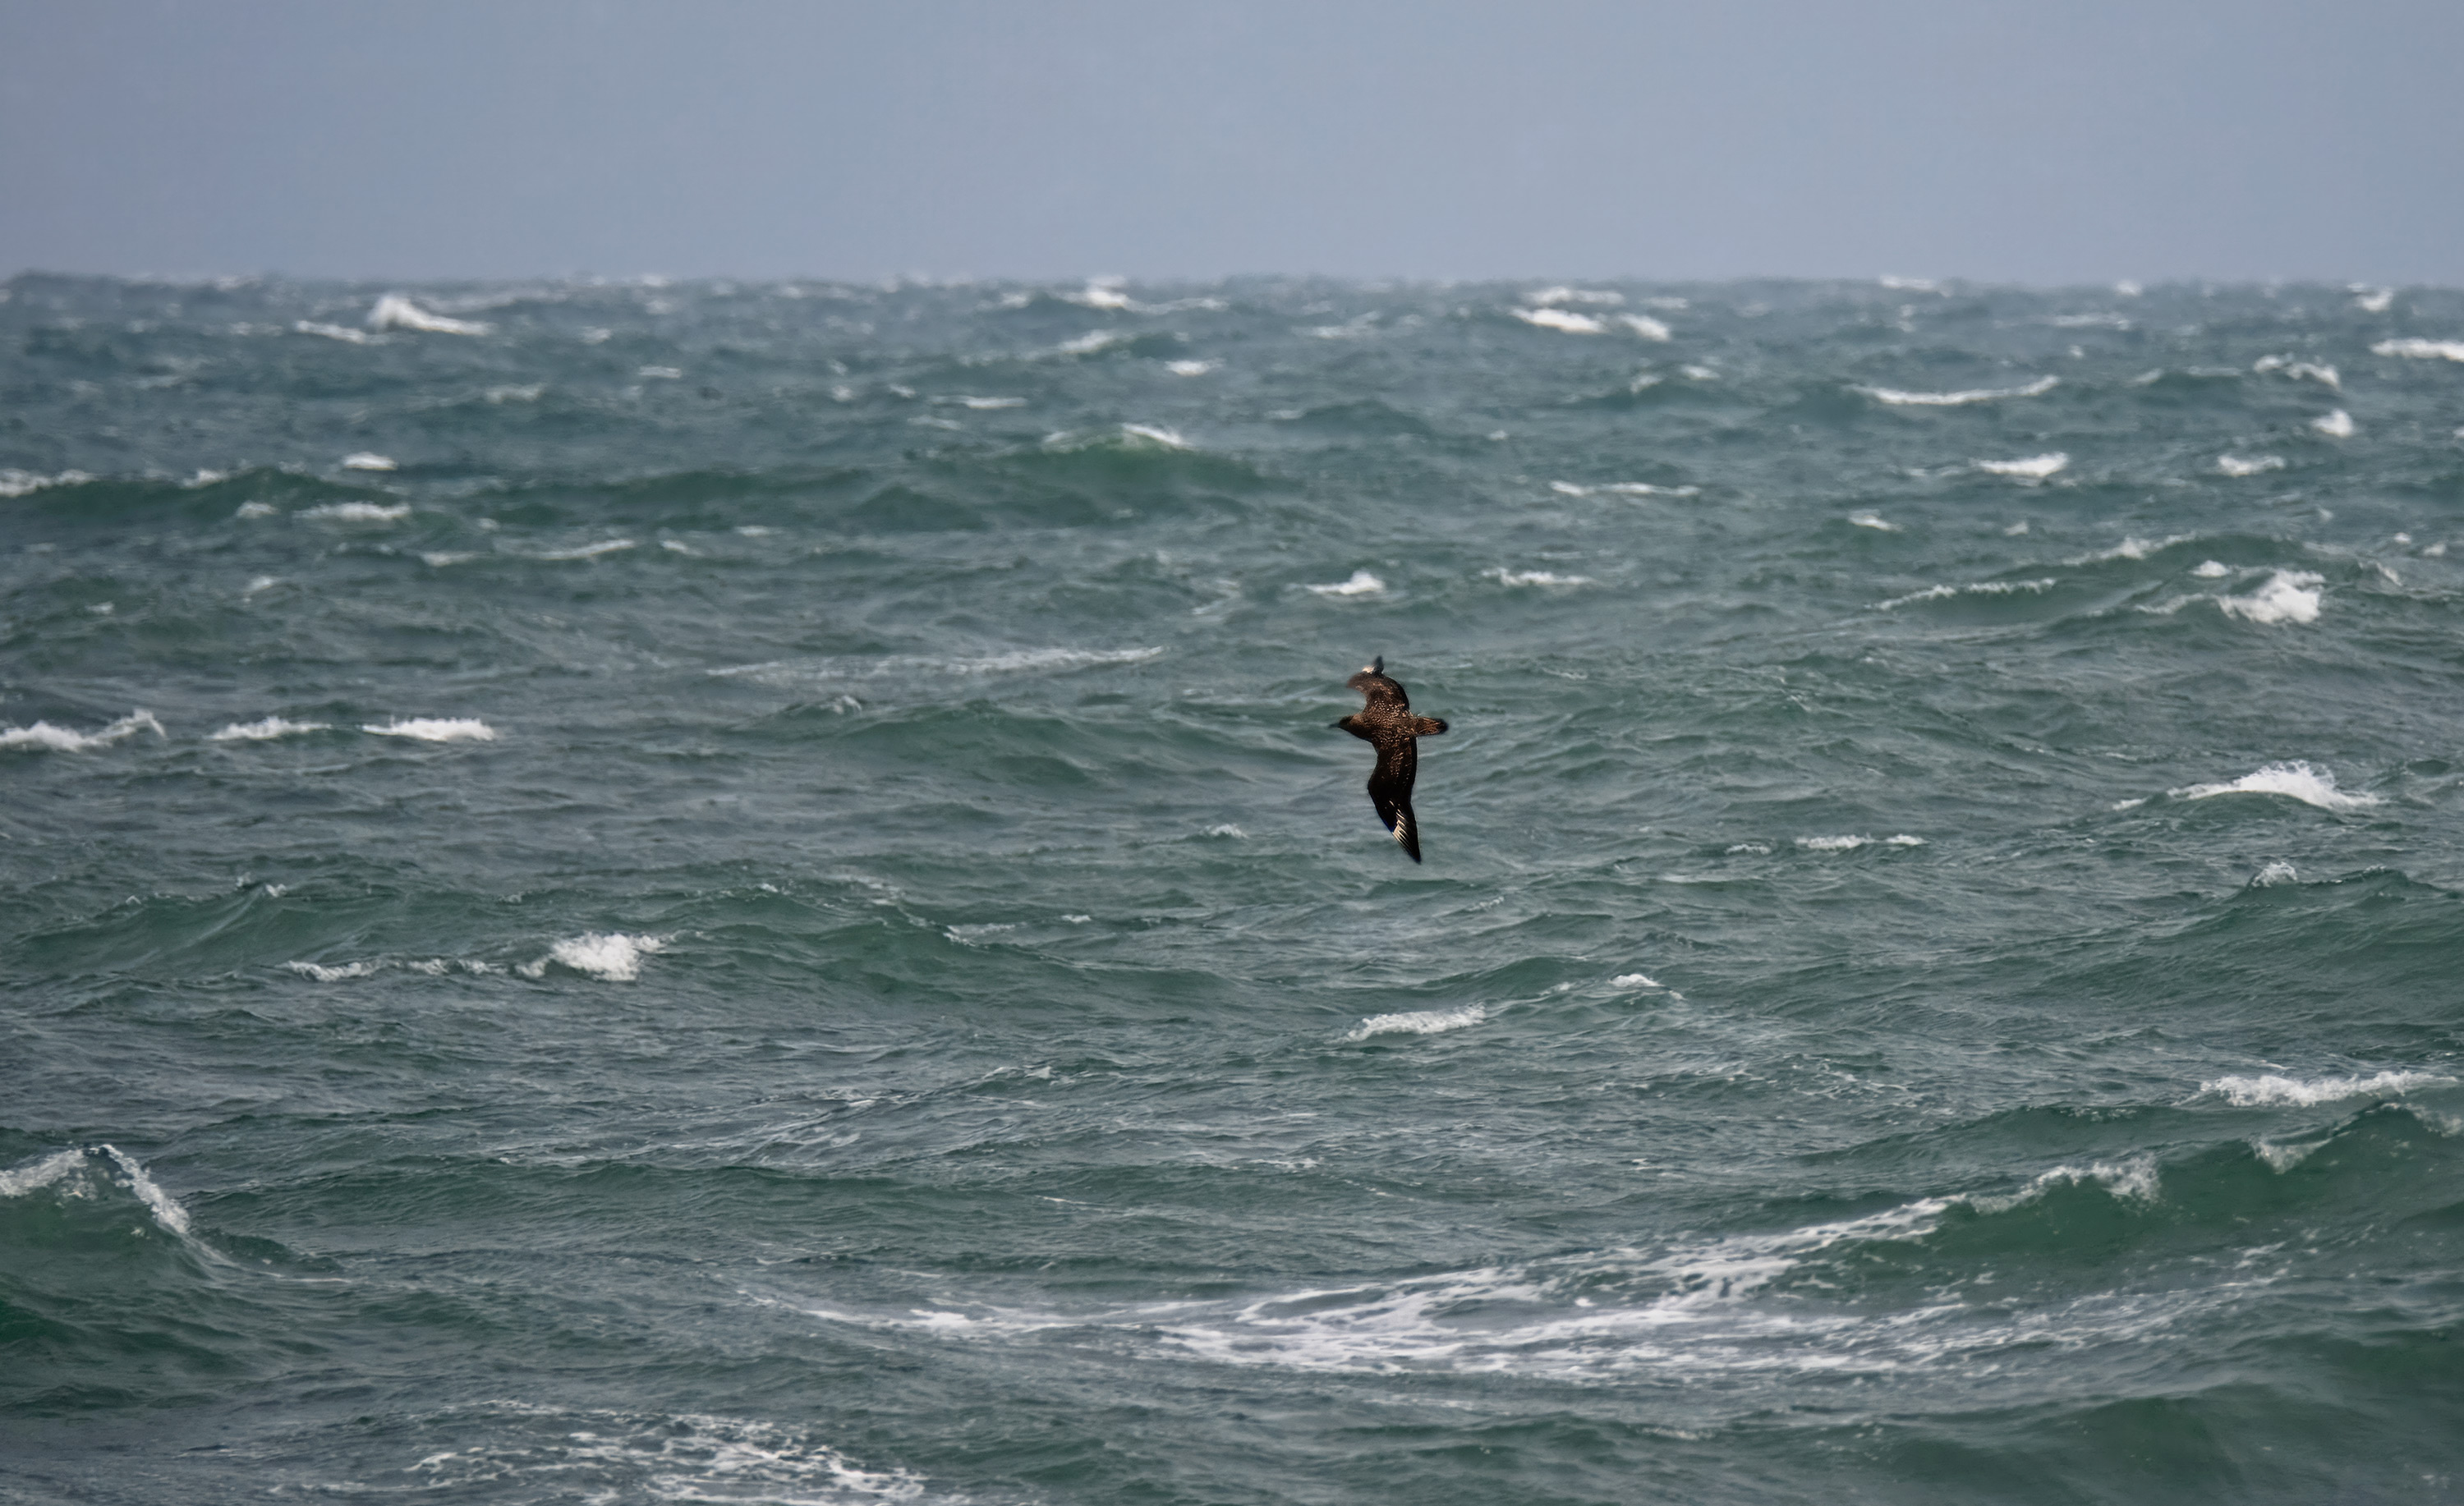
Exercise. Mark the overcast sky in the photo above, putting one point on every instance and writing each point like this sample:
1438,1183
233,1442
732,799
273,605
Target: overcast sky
2055,141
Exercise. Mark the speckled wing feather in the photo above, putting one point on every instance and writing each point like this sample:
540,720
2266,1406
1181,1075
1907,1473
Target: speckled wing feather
1386,722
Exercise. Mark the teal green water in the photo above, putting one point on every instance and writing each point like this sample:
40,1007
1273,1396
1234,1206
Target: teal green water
743,893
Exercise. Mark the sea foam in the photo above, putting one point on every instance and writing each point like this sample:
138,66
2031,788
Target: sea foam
2289,596
265,730
2270,1090
2421,349
394,311
1418,1022
1563,319
44,737
2035,468
2298,781
437,729
612,956
1951,400
1361,584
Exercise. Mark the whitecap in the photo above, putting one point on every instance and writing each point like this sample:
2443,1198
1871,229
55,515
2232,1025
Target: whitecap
661,373
1623,488
611,956
2289,596
1226,829
1852,843
2271,1090
265,730
18,483
336,974
2035,468
2421,349
437,729
367,460
1634,980
1952,399
1191,368
1561,319
1979,588
1418,1022
2297,779
1748,849
2256,465
1644,325
43,736
1093,341
1873,520
2371,301
1534,578
2273,874
394,311
989,404
60,1165
1167,438
2337,424
359,512
1361,584
257,510
443,558
511,392
2212,570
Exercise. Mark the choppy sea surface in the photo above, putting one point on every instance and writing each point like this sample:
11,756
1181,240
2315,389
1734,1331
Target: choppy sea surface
743,893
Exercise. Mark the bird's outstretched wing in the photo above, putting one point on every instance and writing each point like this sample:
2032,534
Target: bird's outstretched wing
1390,791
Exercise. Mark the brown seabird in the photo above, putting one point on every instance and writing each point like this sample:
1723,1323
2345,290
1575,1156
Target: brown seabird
1387,724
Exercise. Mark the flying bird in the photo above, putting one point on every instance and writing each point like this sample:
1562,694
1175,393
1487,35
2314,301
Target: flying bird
1387,724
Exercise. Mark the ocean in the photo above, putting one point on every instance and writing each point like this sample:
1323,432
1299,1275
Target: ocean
626,891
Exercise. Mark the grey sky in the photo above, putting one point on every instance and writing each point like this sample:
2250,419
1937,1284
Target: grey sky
2071,141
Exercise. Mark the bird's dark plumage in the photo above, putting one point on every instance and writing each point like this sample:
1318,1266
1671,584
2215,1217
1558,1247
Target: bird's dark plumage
1386,722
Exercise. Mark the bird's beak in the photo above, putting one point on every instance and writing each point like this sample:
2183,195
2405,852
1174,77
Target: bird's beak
1334,724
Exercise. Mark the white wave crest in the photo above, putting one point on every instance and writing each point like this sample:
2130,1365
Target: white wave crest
1852,843
2421,349
2289,596
1644,325
18,483
2273,874
2337,424
1561,319
2256,465
2270,1090
611,956
72,1171
1623,488
1979,588
1951,400
2035,468
1873,520
437,729
265,730
1533,577
341,974
359,512
2297,780
44,737
1361,584
341,332
369,460
394,311
1418,1022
